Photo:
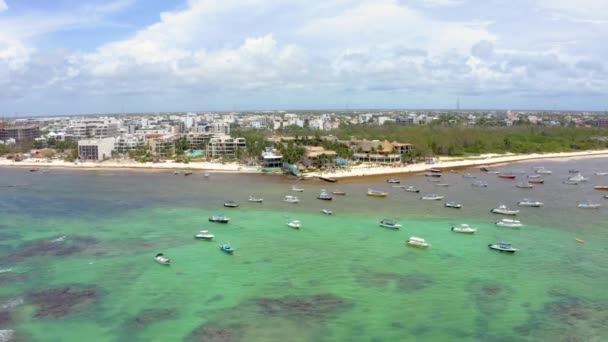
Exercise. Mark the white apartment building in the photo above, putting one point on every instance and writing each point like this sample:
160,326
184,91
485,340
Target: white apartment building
95,149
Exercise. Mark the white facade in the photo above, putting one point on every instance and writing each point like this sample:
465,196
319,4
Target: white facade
95,149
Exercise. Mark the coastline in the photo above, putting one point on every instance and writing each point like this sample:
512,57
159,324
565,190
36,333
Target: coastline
364,170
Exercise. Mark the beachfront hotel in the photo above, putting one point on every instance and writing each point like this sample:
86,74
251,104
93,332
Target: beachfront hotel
95,149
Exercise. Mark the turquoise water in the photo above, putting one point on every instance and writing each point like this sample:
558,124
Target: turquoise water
77,262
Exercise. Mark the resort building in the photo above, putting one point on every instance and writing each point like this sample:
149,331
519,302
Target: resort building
95,149
129,142
318,157
18,132
380,152
271,158
225,146
162,146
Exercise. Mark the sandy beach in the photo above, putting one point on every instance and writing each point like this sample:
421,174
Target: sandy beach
353,171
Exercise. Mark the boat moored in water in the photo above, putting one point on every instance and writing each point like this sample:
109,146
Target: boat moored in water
442,184
601,187
187,173
573,171
601,173
412,189
393,181
327,211
526,185
589,205
528,203
503,210
543,171
295,224
433,170
204,235
503,247
507,176
226,248
464,229
508,223
536,181
469,176
417,242
432,197
219,218
296,189
578,178
162,259
324,196
327,179
255,199
231,204
388,223
376,193
571,182
338,192
431,174
291,199
480,184
452,204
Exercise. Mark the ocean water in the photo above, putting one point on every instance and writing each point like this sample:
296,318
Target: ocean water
77,248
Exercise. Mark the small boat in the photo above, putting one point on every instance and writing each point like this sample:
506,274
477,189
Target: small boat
339,192
434,180
388,223
432,197
417,242
206,175
327,179
295,224
219,218
573,171
162,259
503,210
231,204
503,247
204,235
434,170
176,172
493,172
485,168
469,176
436,175
398,186
226,248
588,205
543,171
507,223
605,196
464,229
393,181
412,189
324,196
578,178
255,199
34,169
296,189
291,199
376,193
507,176
327,211
527,203
571,182
480,184
525,185
442,184
579,240
601,187
536,181
187,173
601,173
533,176
452,204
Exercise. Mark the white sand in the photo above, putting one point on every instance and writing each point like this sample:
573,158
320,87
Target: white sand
353,171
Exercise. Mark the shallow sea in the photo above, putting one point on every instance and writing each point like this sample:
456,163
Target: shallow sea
77,248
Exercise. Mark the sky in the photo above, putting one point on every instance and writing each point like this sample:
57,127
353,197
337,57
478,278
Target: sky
113,56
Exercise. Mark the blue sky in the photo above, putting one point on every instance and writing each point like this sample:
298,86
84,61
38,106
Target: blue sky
74,56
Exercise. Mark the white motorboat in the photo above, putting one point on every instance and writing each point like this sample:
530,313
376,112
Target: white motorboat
452,204
255,199
503,210
533,176
469,176
417,242
525,185
601,173
503,247
578,178
480,184
176,172
442,184
528,203
291,199
570,182
296,189
507,223
376,193
464,229
295,224
162,259
432,197
412,189
204,235
543,171
588,205
388,223
327,211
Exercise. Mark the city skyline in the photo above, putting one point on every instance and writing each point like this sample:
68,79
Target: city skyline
118,56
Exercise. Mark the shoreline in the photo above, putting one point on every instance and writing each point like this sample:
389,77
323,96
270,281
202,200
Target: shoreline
359,171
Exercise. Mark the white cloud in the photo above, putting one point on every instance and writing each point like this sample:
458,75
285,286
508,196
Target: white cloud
3,5
434,3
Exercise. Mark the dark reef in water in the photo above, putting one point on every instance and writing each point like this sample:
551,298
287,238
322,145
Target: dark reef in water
490,298
6,320
51,246
150,316
11,277
213,333
62,301
317,306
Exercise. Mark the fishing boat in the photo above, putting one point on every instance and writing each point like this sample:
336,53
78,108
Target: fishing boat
187,173
434,170
295,224
388,223
573,171
339,193
34,169
393,181
464,229
452,204
231,204
412,189
469,176
431,174
442,185
291,199
176,172
398,186
602,173
417,242
503,210
296,189
255,199
204,235
376,193
503,247
226,248
162,259
525,185
507,223
324,196
579,240
578,178
219,218
480,184
588,205
536,181
507,176
543,171
601,187
533,176
432,197
528,203
327,179
484,168
327,211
